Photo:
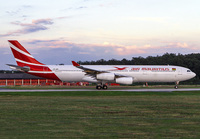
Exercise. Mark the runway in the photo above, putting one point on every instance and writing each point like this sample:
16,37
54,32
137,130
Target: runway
69,90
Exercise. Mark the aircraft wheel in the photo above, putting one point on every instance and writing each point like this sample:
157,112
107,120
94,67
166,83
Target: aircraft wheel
176,87
99,87
105,87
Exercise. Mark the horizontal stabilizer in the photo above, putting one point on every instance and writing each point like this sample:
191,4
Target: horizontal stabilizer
15,67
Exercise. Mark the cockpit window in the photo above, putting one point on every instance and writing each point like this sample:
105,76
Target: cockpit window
188,70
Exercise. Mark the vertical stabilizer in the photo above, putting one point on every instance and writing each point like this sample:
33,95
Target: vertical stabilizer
27,63
22,56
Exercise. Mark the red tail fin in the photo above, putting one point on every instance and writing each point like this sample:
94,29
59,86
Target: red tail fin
27,63
22,56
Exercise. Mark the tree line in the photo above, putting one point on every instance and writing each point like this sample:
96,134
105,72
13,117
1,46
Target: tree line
191,61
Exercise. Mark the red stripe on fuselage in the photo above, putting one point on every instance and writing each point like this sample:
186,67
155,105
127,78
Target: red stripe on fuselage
46,75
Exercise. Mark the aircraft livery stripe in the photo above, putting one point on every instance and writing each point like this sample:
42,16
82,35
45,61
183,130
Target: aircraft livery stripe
34,67
18,45
28,62
24,57
20,51
47,75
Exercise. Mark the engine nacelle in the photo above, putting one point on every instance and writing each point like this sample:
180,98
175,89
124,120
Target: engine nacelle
106,76
89,79
124,80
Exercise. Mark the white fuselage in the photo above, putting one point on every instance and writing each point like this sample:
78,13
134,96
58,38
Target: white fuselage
139,73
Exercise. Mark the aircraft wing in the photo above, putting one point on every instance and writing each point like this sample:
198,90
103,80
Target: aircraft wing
88,71
93,72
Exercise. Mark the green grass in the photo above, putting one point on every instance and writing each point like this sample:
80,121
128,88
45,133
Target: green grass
100,114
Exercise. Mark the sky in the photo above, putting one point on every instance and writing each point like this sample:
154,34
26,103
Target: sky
60,31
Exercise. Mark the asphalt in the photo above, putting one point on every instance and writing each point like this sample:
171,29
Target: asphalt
128,90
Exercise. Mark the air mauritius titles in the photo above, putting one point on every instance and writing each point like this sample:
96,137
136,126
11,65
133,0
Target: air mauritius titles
154,69
137,69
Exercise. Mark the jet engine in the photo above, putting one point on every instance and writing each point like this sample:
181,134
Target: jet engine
124,80
106,76
89,79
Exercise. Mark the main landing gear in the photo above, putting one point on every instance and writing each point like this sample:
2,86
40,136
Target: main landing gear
176,84
104,87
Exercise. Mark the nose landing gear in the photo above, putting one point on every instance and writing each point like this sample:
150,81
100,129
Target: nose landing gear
176,84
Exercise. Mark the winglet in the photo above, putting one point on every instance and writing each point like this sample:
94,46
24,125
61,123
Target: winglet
75,64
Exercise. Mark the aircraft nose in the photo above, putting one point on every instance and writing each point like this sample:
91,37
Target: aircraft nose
193,74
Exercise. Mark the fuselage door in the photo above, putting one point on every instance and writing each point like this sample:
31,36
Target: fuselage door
179,71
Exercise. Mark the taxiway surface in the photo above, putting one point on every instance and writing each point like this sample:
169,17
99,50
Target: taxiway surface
128,90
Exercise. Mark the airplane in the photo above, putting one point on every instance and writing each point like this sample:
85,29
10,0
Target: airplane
99,74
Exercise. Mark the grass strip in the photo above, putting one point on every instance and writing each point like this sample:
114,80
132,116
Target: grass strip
100,93
100,114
